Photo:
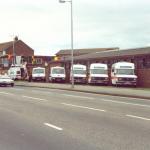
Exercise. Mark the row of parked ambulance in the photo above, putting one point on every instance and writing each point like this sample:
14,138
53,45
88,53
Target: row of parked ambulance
121,73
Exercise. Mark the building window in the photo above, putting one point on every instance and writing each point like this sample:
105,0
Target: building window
1,53
29,60
4,52
38,60
5,62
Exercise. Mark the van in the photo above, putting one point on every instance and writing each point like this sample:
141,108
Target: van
57,74
16,72
38,74
123,73
79,73
98,74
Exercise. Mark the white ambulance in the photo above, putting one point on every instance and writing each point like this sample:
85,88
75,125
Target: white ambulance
38,74
79,73
57,74
98,73
123,73
17,72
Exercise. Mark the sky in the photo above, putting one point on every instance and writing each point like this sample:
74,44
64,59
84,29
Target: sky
44,25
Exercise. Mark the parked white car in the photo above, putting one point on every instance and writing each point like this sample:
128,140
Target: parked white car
5,80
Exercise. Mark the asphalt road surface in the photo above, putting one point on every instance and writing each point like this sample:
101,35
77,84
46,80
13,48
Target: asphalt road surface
48,119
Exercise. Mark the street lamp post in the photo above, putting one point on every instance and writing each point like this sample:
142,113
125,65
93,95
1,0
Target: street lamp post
14,54
13,51
72,60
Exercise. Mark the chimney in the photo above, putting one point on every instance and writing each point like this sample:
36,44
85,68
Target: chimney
16,38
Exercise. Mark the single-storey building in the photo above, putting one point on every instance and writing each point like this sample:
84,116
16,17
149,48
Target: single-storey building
139,56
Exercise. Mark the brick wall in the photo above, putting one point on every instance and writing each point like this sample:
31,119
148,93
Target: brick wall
143,77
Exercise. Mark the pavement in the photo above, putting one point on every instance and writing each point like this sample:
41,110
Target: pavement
106,90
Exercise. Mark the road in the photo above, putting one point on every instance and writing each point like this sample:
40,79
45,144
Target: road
50,119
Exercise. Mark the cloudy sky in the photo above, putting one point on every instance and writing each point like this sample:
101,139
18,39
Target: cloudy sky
45,24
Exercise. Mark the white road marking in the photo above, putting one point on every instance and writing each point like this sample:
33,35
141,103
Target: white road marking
17,89
36,91
133,98
109,100
127,103
53,126
78,106
123,97
138,117
78,96
6,93
34,98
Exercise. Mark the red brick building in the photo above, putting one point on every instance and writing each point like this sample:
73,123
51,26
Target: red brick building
10,51
17,51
